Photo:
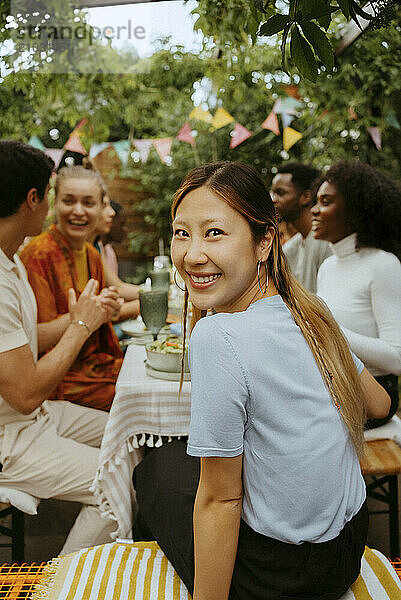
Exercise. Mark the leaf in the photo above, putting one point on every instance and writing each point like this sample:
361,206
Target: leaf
325,21
320,43
391,119
273,25
302,55
310,8
318,10
283,46
354,16
345,6
259,5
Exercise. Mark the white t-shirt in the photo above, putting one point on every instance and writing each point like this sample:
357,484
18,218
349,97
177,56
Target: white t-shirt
362,288
257,390
18,322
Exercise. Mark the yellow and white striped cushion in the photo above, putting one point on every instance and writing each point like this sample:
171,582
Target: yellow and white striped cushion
378,579
116,571
141,571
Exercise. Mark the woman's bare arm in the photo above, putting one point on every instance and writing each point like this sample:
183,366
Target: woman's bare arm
377,399
217,516
127,291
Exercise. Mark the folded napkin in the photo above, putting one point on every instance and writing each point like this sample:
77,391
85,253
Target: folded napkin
140,571
389,431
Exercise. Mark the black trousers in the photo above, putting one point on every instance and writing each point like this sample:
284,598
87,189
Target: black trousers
390,384
265,569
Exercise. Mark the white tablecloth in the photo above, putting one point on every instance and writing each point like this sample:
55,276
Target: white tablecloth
142,405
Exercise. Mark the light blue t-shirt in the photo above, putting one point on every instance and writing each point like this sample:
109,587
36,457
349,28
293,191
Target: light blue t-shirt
257,390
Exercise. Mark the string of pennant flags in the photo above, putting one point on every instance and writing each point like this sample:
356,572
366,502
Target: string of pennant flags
287,107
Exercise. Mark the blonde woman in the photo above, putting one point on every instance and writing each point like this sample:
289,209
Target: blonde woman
278,404
61,258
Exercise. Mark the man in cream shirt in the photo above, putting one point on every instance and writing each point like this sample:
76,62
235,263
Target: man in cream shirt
47,449
291,193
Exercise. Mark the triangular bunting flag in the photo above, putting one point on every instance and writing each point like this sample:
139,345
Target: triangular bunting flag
290,137
286,119
96,149
55,154
276,106
391,119
376,135
283,105
292,90
143,147
185,134
221,118
74,144
122,147
289,104
201,114
81,124
239,135
36,142
163,146
271,123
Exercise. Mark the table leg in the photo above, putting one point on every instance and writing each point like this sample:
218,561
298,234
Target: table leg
393,517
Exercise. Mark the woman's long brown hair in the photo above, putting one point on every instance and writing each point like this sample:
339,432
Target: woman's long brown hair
243,189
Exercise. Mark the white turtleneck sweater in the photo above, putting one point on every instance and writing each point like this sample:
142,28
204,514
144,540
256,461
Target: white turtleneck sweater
362,288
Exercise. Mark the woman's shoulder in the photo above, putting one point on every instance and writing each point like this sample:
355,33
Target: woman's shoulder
238,325
380,259
212,330
205,326
38,247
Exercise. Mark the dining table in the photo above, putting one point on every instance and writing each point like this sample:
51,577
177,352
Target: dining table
147,411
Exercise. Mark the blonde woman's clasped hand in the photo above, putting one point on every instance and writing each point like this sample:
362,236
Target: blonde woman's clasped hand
91,308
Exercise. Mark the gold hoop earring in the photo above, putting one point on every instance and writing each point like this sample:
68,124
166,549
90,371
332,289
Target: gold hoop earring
267,277
175,281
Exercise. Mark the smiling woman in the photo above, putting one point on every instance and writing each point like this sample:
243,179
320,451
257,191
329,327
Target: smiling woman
358,210
268,366
215,256
61,258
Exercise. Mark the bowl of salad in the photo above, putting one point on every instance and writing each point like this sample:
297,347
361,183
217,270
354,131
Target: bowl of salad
165,355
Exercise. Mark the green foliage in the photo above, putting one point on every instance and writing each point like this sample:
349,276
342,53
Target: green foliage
273,25
319,42
310,47
365,81
302,55
154,97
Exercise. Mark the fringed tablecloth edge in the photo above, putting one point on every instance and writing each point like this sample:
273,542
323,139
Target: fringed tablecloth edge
130,444
43,589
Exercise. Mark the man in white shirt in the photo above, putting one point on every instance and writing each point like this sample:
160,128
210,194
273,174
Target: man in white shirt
291,192
47,449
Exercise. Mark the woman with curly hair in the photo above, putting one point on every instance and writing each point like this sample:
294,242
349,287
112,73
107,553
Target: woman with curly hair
358,210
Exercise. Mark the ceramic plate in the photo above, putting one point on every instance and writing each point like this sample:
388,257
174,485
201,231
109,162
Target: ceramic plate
136,328
165,374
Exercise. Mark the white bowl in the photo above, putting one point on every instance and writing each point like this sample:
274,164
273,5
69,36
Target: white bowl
169,362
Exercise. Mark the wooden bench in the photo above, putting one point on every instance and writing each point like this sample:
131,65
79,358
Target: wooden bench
382,462
15,532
